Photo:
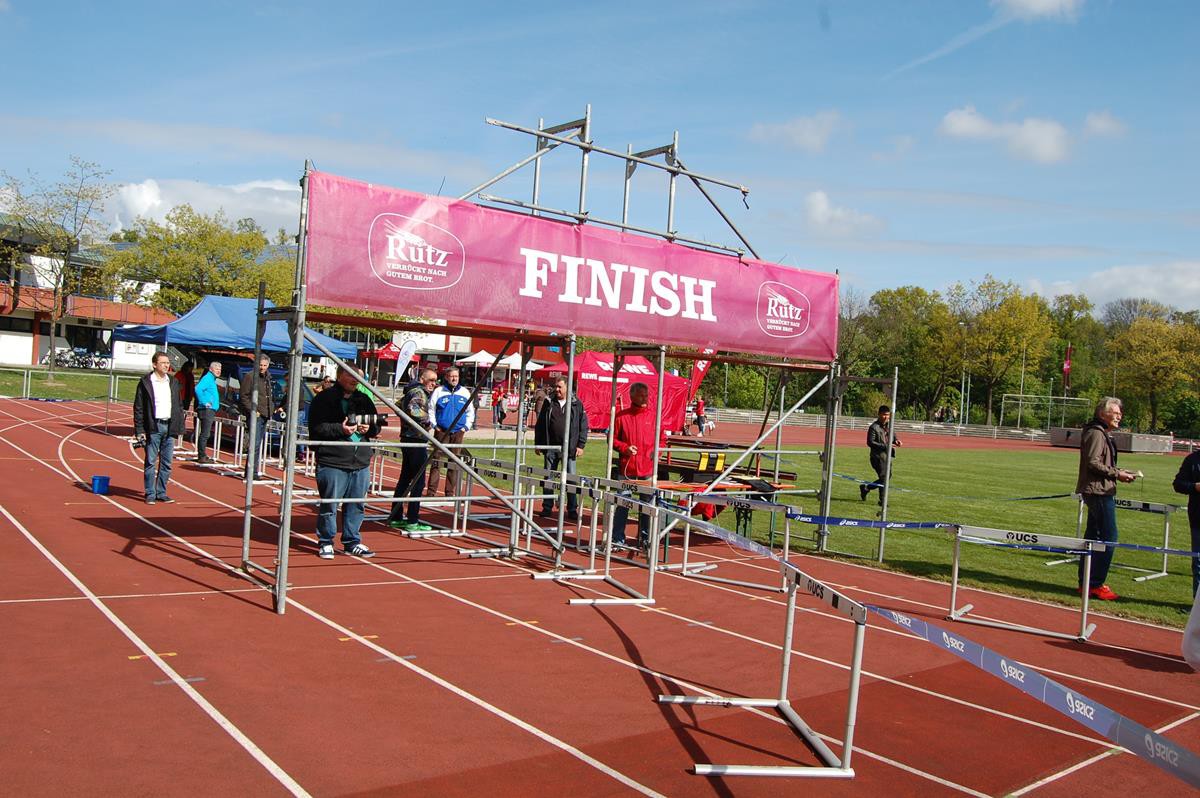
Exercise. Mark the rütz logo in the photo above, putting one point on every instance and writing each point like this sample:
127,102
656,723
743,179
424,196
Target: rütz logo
1012,672
1021,537
1160,750
410,253
1076,706
783,312
953,643
903,620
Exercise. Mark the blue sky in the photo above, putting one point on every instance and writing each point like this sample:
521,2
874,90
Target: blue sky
1049,142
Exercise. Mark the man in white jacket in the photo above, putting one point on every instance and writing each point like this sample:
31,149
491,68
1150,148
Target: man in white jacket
453,414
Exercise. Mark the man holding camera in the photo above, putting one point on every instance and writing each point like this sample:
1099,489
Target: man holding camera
342,414
157,421
260,379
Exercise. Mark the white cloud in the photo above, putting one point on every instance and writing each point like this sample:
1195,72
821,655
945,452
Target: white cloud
826,219
1029,10
1103,123
271,203
4,6
1039,140
1175,283
807,133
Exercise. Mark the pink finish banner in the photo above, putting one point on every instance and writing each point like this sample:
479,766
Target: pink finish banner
395,251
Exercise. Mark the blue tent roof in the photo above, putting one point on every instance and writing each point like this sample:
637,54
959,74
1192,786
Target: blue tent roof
226,322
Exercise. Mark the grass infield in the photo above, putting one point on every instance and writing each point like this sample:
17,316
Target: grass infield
975,487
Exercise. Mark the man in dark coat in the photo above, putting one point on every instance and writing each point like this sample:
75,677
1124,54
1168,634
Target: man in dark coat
157,422
1187,482
1097,484
343,472
261,379
550,430
877,442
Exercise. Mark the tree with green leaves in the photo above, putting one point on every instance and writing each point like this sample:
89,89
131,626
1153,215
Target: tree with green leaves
56,219
1004,328
913,328
191,255
1153,357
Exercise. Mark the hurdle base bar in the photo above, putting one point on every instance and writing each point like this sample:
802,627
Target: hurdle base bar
698,574
961,616
635,598
833,764
435,533
571,573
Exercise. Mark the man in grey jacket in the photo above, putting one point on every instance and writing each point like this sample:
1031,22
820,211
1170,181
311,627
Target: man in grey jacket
1097,484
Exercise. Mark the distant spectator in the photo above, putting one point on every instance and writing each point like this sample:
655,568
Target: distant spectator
550,430
633,440
499,411
208,401
416,403
877,442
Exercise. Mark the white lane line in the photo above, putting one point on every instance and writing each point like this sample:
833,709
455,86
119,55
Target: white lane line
1114,751
518,622
529,728
268,764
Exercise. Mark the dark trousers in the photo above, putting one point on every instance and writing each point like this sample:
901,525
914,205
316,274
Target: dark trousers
1195,560
554,463
206,416
411,484
252,443
453,440
620,516
1101,526
879,462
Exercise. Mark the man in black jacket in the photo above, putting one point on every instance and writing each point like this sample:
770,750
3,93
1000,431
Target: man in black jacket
877,442
260,378
343,472
1187,481
157,421
550,429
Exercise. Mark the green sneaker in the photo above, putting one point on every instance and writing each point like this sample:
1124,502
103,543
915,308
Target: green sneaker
420,526
397,525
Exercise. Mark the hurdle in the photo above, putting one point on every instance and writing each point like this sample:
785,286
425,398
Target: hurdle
697,571
1005,538
834,766
1165,510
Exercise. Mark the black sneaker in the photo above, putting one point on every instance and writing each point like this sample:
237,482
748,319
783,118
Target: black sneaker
166,500
863,490
149,500
359,550
325,551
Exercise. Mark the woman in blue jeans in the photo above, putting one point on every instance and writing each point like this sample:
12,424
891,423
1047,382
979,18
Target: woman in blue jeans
1097,484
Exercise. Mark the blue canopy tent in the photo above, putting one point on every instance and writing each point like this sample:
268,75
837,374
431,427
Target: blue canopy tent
224,322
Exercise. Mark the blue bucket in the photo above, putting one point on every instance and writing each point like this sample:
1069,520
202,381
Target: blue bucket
100,485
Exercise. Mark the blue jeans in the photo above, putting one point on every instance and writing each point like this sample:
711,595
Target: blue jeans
620,515
160,446
1101,526
553,463
336,483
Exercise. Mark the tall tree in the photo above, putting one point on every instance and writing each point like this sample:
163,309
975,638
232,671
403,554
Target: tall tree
1120,313
1004,329
1152,358
191,254
914,329
56,218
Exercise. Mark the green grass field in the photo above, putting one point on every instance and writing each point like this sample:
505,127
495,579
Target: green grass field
975,487
67,384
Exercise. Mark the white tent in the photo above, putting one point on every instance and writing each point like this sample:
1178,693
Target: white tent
484,358
480,358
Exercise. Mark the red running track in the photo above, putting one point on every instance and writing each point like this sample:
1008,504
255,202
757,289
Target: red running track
139,662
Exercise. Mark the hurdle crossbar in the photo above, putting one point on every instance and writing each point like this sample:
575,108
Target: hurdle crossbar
1165,510
834,766
1006,538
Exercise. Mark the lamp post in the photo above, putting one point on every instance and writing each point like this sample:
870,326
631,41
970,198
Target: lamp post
962,375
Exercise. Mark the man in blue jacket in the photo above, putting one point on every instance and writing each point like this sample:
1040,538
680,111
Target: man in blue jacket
453,414
208,401
1187,481
343,472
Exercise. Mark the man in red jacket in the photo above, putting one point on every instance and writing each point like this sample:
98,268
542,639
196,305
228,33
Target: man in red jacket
633,440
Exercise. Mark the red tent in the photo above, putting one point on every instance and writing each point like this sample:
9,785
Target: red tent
593,380
388,351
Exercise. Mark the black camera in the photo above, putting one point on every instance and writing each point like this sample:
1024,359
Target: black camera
139,442
354,419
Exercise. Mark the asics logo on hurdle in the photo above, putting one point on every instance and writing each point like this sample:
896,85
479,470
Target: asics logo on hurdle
1160,750
1012,672
847,522
1079,707
953,643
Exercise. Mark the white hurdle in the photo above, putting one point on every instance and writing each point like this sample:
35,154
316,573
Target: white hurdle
1011,539
1165,510
834,766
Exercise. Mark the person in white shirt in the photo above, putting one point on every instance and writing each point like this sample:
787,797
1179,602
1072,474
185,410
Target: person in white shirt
157,421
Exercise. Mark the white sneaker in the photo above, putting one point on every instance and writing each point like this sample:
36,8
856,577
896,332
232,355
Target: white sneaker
325,552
